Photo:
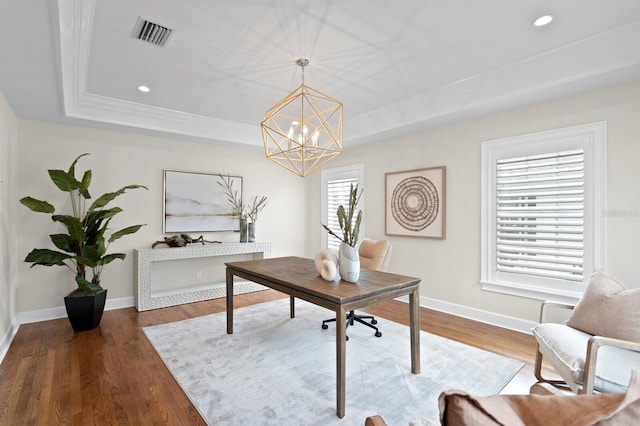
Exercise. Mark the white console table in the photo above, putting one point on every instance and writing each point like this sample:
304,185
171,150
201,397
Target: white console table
144,258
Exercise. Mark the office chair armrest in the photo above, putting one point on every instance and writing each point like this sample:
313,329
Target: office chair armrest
546,305
595,343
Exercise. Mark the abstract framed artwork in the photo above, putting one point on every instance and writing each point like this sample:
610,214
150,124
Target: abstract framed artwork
196,202
416,203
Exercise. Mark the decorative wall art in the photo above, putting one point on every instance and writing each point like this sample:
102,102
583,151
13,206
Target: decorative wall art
415,203
196,202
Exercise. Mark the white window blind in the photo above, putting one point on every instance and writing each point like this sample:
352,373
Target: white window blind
540,215
338,191
542,228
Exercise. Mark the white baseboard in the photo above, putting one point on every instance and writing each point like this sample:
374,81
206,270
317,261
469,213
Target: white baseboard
487,317
7,339
60,311
504,321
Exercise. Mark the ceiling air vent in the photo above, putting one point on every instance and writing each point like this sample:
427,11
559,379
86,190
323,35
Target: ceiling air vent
151,33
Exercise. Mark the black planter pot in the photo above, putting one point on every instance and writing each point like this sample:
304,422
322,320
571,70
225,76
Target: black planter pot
85,311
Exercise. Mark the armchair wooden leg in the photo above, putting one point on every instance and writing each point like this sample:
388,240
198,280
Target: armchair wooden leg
537,371
538,367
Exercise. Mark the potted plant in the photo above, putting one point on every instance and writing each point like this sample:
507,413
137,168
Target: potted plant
247,229
348,259
257,204
84,245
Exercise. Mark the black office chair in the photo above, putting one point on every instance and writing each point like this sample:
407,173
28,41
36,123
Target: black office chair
374,255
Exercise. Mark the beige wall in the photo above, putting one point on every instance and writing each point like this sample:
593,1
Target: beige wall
8,141
118,159
450,269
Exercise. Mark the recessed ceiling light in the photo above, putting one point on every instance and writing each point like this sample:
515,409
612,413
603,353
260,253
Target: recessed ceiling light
543,20
144,89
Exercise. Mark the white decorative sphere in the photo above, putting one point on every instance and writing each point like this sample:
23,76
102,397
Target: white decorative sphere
328,270
325,254
326,262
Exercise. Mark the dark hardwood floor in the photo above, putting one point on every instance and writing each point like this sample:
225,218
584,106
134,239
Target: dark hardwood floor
112,375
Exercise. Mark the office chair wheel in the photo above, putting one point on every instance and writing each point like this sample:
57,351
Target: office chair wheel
374,321
378,334
325,326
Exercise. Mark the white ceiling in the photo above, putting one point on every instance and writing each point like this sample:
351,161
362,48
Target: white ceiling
396,65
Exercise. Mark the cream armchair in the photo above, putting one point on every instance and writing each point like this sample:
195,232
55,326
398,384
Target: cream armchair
599,346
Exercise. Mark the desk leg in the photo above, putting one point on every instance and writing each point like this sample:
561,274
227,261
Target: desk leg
414,321
229,302
341,357
292,306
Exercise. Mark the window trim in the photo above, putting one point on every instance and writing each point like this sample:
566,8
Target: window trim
592,138
335,173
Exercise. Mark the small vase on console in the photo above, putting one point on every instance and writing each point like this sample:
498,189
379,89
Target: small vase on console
348,263
251,232
244,231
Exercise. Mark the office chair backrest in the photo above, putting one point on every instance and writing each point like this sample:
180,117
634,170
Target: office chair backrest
374,254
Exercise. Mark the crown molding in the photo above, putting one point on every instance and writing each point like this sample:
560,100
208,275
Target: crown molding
575,67
75,21
568,69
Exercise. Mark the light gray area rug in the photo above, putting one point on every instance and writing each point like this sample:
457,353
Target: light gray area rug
279,371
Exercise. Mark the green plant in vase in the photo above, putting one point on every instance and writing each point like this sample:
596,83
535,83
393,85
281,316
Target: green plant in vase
245,213
349,222
256,206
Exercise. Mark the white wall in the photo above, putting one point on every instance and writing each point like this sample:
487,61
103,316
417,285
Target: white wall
8,141
450,268
118,159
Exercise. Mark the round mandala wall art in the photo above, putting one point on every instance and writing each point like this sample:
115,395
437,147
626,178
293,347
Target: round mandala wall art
415,203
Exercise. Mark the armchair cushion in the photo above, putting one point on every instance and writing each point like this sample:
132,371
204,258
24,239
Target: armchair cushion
608,309
459,408
565,348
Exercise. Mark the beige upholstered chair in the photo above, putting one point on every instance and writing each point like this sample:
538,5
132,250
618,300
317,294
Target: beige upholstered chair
598,347
458,408
374,255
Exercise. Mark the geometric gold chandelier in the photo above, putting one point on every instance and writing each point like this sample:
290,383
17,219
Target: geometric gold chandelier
303,131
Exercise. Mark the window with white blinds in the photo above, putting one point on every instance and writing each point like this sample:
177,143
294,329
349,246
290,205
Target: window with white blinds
336,184
540,215
543,201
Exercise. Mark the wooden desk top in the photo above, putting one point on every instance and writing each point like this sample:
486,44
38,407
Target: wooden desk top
300,275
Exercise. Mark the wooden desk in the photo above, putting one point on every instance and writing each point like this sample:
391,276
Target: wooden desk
298,277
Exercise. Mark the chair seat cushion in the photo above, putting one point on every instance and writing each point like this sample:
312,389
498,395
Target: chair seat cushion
566,349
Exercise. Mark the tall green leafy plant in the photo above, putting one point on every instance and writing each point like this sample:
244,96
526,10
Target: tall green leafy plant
350,228
84,245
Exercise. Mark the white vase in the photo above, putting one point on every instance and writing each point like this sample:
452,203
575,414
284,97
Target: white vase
348,263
